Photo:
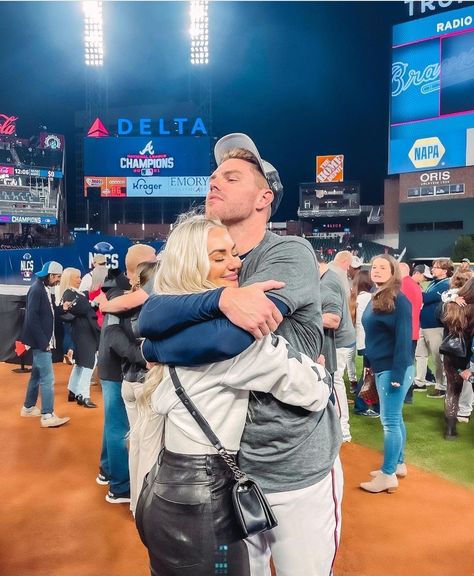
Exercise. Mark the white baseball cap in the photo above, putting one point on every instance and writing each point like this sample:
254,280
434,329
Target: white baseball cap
50,267
238,140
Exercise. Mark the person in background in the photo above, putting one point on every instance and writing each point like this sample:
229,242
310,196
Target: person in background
86,282
117,344
361,294
388,332
458,320
38,334
96,296
341,264
354,269
465,265
337,324
141,265
85,335
411,289
432,328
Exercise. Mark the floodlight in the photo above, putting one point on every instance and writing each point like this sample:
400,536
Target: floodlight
199,32
93,33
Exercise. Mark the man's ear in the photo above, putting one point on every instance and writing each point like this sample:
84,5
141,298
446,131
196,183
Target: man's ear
265,198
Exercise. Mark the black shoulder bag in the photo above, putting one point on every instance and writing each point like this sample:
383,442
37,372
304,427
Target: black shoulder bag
252,510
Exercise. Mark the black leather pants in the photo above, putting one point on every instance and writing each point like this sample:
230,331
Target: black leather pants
185,518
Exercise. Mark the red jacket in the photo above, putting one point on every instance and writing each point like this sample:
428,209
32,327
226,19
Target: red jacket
414,294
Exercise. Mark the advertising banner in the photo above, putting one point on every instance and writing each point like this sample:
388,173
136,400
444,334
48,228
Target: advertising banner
147,156
330,168
432,95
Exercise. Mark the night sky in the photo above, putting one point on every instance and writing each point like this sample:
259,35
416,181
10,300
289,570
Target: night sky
301,78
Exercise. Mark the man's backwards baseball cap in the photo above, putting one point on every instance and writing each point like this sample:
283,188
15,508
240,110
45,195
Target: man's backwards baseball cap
423,269
237,140
50,267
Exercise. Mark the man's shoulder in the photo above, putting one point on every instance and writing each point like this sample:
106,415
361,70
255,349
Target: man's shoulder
272,239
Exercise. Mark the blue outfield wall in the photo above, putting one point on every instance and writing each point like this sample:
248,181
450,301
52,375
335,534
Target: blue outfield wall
19,266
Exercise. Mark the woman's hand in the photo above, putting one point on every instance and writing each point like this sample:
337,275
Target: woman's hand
460,301
67,306
465,374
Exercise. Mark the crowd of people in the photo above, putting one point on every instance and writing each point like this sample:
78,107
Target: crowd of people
255,332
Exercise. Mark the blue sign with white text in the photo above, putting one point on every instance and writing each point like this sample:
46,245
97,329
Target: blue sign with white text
432,93
139,156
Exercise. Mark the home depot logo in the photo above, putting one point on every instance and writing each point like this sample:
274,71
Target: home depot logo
426,152
330,168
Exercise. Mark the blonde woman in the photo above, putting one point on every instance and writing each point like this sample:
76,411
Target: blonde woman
85,336
184,514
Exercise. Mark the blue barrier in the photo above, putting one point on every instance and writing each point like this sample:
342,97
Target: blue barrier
19,266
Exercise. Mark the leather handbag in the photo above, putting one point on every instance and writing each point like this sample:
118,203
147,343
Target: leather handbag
368,391
252,510
454,345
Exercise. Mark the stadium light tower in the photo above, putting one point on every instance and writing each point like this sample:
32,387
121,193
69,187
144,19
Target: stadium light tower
93,33
199,32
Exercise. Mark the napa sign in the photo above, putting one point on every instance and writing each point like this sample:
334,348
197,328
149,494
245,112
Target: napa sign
161,127
426,152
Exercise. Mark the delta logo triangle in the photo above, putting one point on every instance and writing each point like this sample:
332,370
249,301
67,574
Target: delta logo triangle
97,130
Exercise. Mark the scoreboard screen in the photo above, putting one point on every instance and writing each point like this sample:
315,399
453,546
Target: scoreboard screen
432,93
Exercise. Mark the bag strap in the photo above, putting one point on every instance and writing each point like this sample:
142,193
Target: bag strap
205,427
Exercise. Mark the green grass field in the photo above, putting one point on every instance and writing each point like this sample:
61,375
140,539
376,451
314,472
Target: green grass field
426,446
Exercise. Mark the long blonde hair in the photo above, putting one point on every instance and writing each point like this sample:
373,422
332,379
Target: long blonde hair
183,269
65,283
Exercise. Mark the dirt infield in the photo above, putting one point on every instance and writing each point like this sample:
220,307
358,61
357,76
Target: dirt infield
55,521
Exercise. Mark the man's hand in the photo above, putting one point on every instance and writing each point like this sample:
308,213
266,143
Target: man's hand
465,374
250,309
321,360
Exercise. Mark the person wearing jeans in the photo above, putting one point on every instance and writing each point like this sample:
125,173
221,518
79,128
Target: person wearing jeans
391,416
114,454
388,346
38,334
42,378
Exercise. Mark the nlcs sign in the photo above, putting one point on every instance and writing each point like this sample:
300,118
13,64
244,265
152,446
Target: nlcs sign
426,152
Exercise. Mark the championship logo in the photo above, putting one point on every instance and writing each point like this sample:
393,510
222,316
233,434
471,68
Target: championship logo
27,267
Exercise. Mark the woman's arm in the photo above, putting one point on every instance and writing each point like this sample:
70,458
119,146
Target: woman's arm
124,303
402,355
271,365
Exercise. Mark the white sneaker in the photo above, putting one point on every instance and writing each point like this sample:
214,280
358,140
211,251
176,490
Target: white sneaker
29,412
53,421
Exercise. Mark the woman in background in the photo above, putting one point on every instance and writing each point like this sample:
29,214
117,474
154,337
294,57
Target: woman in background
458,320
85,335
361,294
388,336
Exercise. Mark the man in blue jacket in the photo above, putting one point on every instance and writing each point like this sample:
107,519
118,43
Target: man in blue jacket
431,334
38,334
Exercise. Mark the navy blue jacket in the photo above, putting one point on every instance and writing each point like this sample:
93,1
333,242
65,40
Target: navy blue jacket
388,344
430,316
38,325
189,330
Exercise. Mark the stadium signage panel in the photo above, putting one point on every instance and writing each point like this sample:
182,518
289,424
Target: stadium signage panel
330,168
7,124
174,186
148,157
10,218
432,96
161,127
39,172
439,176
424,5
